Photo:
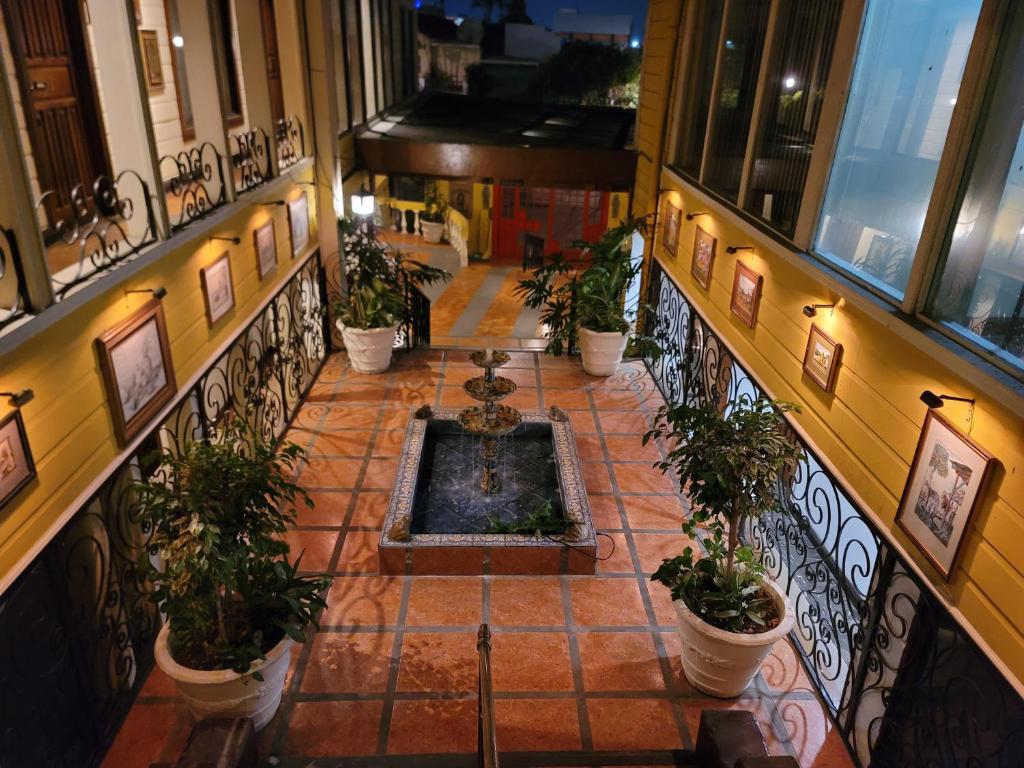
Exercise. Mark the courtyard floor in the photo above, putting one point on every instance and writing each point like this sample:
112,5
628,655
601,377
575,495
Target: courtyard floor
585,668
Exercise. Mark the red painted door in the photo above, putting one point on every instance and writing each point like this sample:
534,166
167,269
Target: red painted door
561,217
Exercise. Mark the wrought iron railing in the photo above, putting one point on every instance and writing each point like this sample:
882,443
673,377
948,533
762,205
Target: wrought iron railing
904,681
250,159
13,299
77,627
95,228
416,328
291,142
193,184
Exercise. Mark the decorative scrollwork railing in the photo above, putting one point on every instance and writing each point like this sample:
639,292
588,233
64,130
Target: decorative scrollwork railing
250,159
95,228
13,301
416,329
193,183
906,683
77,627
291,141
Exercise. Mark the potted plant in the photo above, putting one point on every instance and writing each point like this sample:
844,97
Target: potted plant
586,306
730,614
233,600
374,305
433,215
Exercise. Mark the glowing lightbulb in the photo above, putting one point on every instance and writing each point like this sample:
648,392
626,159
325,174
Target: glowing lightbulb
178,41
953,101
789,82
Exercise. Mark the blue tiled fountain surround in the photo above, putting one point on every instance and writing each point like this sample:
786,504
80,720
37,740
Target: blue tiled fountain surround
438,518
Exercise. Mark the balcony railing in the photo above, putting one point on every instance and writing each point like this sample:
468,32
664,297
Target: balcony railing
77,626
250,159
193,184
487,741
906,684
290,140
95,228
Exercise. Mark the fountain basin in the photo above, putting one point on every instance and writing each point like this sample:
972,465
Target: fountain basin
439,522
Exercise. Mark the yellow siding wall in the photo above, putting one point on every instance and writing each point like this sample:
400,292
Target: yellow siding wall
869,428
68,423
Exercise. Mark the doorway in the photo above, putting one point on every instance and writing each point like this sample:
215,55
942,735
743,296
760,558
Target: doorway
59,98
273,56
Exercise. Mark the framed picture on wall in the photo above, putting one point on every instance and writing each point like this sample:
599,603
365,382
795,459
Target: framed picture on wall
670,235
947,478
703,258
135,358
822,358
746,294
218,289
298,224
16,465
265,242
151,58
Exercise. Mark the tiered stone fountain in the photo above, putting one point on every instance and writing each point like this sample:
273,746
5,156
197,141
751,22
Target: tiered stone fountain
491,420
466,474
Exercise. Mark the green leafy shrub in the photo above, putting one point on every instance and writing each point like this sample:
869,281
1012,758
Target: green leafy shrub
218,511
593,297
376,278
434,205
729,465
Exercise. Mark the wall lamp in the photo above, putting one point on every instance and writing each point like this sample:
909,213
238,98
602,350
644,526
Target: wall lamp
18,399
932,400
811,310
235,240
690,216
736,248
278,203
158,293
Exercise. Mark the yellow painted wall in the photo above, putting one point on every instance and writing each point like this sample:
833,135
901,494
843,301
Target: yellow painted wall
868,429
68,423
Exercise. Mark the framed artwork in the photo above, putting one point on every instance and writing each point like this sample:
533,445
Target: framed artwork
670,236
703,258
135,357
218,289
298,224
945,483
265,242
822,358
151,58
16,465
746,294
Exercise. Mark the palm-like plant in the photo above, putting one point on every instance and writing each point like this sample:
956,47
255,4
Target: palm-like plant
593,297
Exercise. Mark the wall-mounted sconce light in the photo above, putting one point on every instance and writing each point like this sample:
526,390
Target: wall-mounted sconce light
235,240
932,400
811,310
690,216
158,293
277,203
737,248
18,399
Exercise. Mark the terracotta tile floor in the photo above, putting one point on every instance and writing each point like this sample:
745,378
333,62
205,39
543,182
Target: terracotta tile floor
585,668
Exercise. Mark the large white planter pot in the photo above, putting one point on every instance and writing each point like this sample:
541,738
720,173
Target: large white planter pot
723,663
602,351
369,351
223,693
433,231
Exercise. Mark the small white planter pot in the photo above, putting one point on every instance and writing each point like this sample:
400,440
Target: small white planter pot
723,663
602,351
223,693
369,351
433,231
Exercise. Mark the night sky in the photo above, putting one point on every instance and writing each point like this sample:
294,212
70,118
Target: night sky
543,11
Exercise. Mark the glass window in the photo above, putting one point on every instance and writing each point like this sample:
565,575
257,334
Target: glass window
794,90
700,76
905,83
979,290
734,100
